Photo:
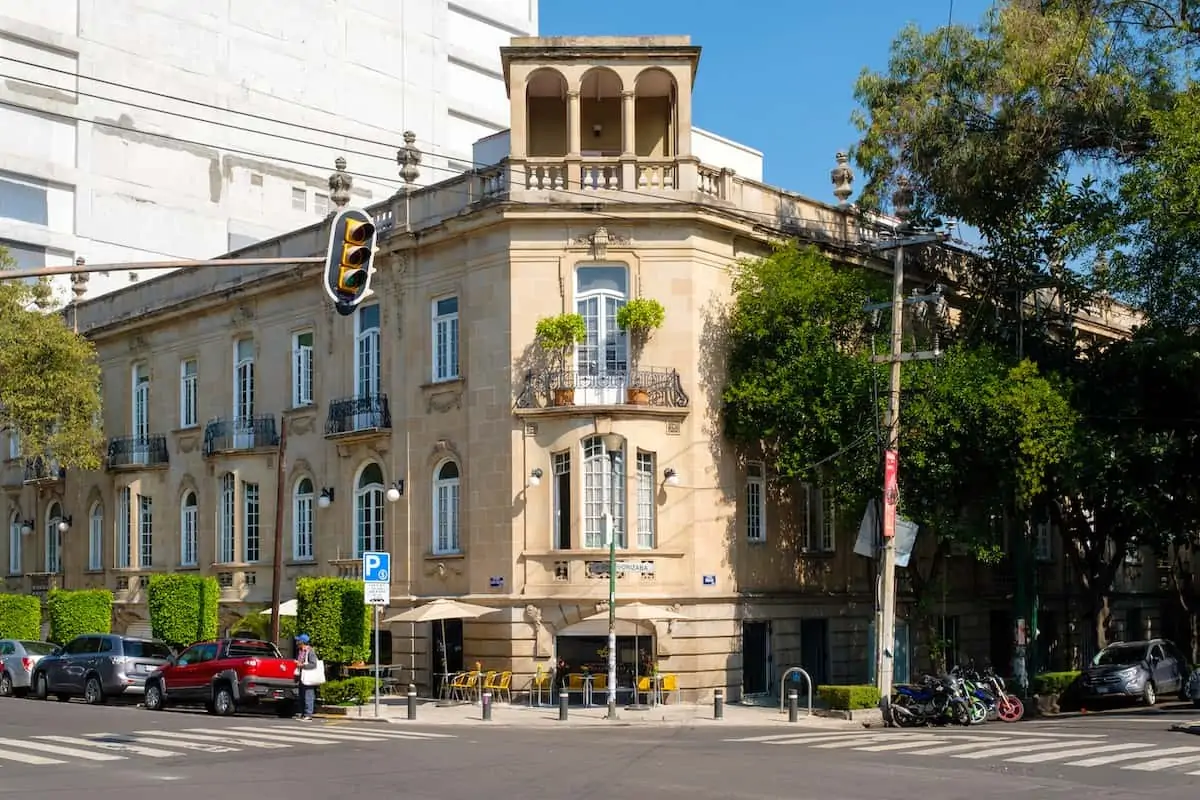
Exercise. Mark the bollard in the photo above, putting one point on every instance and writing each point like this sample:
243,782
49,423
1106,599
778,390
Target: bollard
412,701
485,700
563,699
793,706
719,704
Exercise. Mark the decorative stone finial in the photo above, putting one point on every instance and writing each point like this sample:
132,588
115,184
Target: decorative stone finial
409,158
843,179
902,199
340,184
79,280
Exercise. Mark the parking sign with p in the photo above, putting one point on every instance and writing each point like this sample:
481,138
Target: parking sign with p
377,567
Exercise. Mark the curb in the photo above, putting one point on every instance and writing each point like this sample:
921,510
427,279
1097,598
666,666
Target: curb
1186,727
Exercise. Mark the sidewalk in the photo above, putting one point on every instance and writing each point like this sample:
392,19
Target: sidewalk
395,710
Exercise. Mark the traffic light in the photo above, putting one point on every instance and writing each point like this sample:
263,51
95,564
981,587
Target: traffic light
349,263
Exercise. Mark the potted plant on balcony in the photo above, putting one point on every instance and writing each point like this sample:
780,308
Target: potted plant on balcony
558,337
639,318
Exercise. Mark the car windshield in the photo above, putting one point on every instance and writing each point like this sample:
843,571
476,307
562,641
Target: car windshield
1125,654
135,648
243,649
38,648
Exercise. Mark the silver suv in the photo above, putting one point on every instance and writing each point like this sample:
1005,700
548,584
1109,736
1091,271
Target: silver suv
98,666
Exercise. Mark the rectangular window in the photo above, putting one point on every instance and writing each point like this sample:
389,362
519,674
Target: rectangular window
96,540
15,566
321,204
446,516
124,535
243,394
299,198
562,500
24,198
141,409
828,521
252,541
188,523
189,370
145,532
14,444
302,369
445,339
603,494
225,518
302,524
756,502
645,500
1042,548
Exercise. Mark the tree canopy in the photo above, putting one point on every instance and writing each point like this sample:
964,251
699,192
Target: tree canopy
49,378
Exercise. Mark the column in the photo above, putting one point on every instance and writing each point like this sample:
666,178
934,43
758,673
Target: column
574,138
629,167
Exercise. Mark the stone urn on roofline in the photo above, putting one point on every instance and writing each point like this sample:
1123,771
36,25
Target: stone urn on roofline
639,318
557,336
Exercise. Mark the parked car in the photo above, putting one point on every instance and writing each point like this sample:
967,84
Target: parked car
98,666
224,675
18,657
1143,670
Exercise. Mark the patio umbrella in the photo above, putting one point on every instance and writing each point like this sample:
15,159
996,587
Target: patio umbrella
639,612
286,609
441,610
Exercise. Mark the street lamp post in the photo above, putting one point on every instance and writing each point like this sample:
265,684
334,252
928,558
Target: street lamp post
613,445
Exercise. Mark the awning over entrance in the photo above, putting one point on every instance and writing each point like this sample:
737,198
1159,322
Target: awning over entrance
599,627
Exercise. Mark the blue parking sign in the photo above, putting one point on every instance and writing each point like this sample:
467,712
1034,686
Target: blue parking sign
377,567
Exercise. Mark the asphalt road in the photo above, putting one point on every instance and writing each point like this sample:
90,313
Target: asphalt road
133,754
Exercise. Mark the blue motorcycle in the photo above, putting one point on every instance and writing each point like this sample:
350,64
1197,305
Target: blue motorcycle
934,701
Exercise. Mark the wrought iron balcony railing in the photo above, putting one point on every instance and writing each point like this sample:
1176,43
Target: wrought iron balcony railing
43,470
138,451
243,433
357,414
646,386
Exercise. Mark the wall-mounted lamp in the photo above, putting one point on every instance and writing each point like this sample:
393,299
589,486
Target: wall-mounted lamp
395,491
597,129
326,498
26,527
670,476
64,524
613,442
535,477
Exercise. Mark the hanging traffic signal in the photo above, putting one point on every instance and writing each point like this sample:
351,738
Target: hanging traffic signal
349,262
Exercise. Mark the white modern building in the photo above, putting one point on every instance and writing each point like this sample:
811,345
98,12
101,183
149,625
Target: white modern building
148,130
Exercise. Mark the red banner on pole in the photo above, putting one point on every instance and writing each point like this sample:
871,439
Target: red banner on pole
891,492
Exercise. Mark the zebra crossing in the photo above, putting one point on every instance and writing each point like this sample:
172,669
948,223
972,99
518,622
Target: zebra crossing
54,749
1010,747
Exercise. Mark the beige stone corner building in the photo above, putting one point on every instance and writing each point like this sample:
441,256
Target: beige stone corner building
427,425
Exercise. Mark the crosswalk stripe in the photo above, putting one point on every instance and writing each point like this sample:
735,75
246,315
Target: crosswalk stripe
384,730
1023,747
158,741
955,748
811,738
116,747
199,737
853,741
312,734
1163,763
73,752
1100,761
1038,758
296,738
29,758
909,744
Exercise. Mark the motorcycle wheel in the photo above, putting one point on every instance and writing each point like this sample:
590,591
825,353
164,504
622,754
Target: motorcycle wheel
1010,709
979,712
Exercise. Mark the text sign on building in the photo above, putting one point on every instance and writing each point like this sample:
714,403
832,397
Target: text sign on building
377,578
644,567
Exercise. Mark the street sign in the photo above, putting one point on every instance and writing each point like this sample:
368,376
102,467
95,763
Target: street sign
377,578
645,567
710,580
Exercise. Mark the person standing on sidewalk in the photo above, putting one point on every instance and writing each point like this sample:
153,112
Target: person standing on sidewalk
312,675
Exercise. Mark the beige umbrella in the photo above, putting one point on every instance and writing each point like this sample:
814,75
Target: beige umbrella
639,612
286,609
441,610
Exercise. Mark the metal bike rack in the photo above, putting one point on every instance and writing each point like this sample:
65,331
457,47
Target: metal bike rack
783,682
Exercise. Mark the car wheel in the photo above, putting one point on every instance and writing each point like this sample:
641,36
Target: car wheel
1149,695
41,687
93,692
154,697
222,703
6,685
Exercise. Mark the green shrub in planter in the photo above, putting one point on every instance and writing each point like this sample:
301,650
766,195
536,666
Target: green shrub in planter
332,612
1055,683
20,617
849,698
183,608
356,691
76,613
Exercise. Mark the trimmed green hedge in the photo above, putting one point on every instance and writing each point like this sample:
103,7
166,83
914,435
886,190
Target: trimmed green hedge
183,608
356,691
1054,682
332,612
76,613
20,617
849,698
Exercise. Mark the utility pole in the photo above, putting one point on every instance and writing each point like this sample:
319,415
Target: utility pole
277,565
80,268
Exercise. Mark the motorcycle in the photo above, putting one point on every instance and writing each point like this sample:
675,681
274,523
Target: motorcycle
934,701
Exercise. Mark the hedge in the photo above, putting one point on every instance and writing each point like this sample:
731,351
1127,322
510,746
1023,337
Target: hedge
332,612
356,691
183,608
1054,682
849,698
20,617
76,613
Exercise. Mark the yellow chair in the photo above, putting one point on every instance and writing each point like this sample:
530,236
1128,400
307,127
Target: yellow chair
670,685
471,690
540,683
600,683
644,686
503,687
489,681
456,686
574,682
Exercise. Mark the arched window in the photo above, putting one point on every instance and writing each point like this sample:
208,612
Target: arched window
445,509
302,520
598,497
189,523
15,566
96,537
602,359
53,539
368,510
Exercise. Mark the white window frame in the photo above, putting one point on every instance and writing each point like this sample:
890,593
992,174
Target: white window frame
145,518
560,466
302,369
1043,548
447,502
189,529
14,444
756,501
251,523
189,372
367,357
826,541
368,511
123,540
602,359
16,564
299,198
95,561
227,519
243,394
140,412
597,494
53,541
445,339
303,504
647,505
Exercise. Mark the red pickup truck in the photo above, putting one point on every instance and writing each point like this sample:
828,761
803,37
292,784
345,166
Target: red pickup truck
224,675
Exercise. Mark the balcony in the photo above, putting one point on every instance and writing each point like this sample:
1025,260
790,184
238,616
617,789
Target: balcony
137,452
245,433
42,471
558,391
364,417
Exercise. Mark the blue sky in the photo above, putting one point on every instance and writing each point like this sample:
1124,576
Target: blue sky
777,75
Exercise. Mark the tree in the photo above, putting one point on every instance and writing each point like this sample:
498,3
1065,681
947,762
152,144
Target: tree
49,378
